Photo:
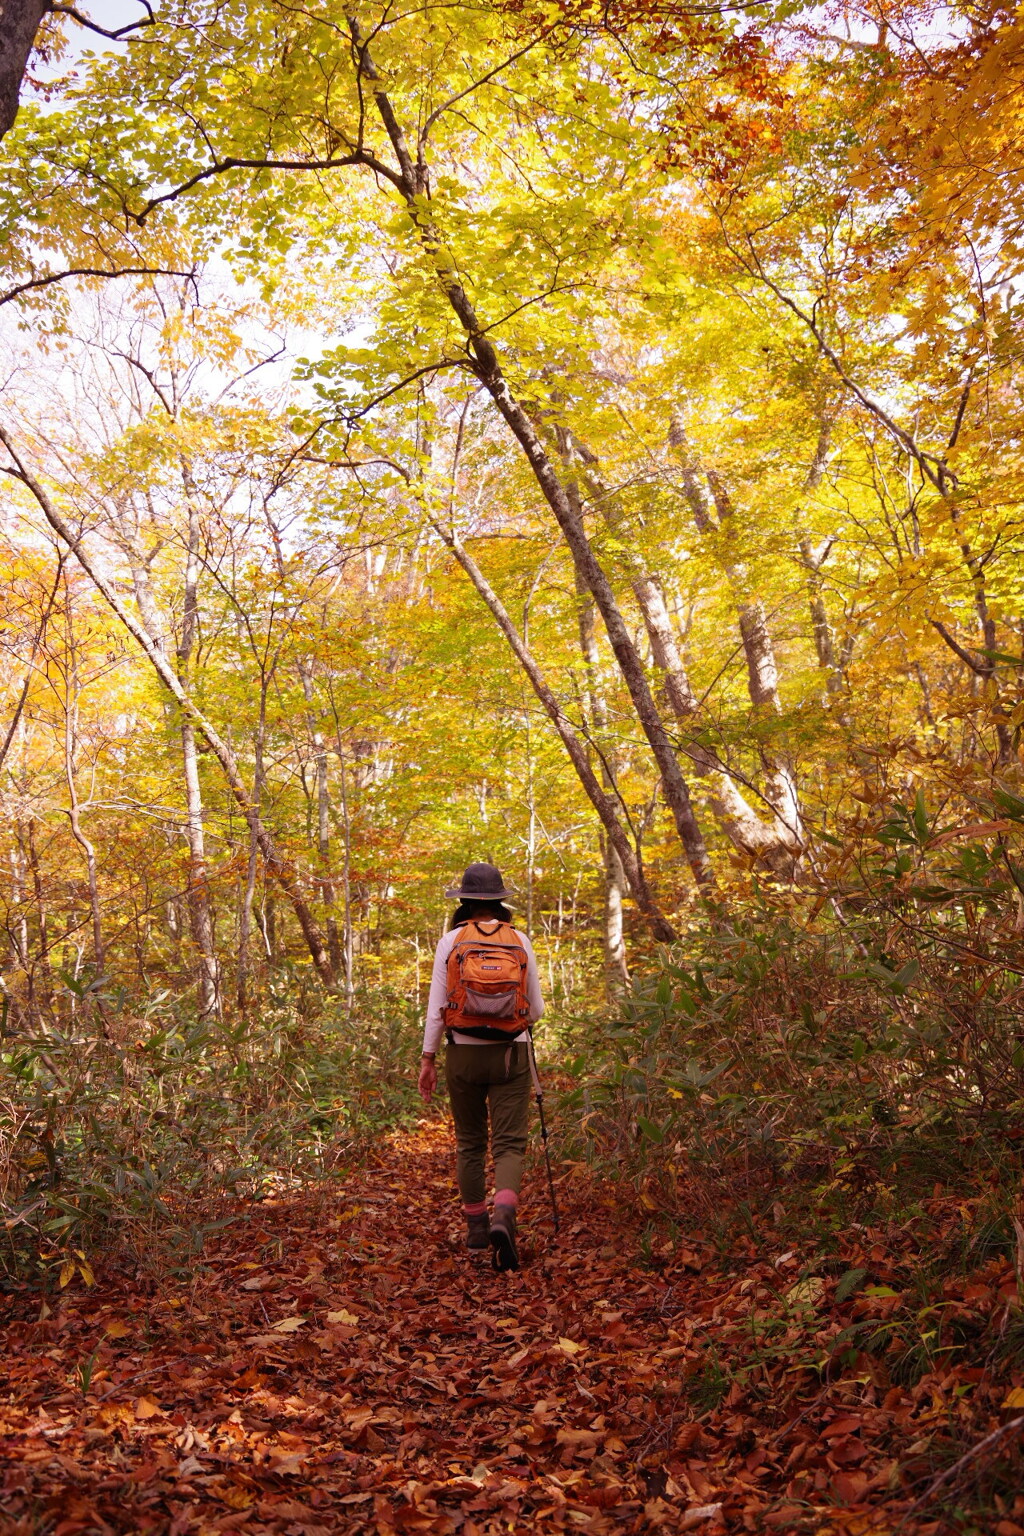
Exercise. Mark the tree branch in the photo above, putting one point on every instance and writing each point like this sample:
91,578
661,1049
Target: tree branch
83,21
934,469
976,667
59,277
234,163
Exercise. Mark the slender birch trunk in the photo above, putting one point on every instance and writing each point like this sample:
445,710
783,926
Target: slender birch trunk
42,914
73,813
616,969
348,947
323,818
252,867
200,913
197,887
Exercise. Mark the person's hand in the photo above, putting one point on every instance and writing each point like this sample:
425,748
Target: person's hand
428,1079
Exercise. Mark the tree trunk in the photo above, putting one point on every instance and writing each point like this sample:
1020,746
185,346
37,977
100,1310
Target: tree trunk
348,947
252,868
19,23
780,786
276,864
200,914
42,916
616,970
737,818
487,368
197,887
323,818
74,816
615,964
601,802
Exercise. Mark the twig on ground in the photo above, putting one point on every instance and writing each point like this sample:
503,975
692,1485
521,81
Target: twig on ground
951,1472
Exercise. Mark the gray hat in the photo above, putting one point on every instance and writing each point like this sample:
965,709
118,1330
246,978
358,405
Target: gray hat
481,882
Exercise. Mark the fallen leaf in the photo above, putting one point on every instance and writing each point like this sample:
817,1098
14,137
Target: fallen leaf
806,1292
115,1329
146,1408
237,1498
288,1466
289,1324
1014,1399
570,1346
346,1318
697,1514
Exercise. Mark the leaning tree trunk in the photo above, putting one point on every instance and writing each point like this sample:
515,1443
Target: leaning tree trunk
19,23
602,803
413,184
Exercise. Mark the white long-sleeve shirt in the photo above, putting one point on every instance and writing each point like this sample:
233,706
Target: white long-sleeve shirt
434,1027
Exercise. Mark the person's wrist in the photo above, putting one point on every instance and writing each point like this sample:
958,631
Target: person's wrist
428,1055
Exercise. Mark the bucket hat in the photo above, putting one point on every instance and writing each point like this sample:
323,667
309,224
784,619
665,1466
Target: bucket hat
481,882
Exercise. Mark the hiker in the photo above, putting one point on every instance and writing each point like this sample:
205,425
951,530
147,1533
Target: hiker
484,995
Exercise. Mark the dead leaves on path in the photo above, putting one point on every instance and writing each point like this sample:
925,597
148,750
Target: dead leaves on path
335,1370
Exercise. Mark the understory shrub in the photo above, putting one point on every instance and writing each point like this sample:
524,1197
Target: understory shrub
862,1040
124,1135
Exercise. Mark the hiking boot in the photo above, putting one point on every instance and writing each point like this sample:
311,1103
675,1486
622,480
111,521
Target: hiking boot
503,1238
477,1234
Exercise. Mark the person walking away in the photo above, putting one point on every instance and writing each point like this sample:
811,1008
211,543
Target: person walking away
484,995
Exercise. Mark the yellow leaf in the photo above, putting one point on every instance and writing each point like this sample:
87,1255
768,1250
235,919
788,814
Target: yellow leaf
115,1329
570,1347
343,1317
67,1272
289,1324
237,1498
145,1408
1014,1399
806,1292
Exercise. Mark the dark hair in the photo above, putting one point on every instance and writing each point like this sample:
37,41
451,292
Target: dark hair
467,910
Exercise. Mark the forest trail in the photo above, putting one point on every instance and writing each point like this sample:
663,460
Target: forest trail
342,1366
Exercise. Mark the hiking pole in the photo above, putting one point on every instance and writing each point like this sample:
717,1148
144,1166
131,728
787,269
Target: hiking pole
539,1096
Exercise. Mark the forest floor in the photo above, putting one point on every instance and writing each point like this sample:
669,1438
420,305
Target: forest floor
339,1364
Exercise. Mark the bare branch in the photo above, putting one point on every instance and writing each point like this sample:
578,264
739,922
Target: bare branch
59,277
83,21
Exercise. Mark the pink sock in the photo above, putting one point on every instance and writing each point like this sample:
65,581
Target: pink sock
506,1197
479,1209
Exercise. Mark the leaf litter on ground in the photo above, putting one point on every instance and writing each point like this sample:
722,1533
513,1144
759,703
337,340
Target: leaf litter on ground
344,1366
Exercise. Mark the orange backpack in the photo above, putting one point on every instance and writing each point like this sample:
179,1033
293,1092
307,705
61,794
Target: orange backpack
487,982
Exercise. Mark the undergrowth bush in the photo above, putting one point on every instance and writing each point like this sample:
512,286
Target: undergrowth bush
123,1138
857,1043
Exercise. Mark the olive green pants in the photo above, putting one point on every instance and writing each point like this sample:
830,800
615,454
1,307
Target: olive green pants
489,1079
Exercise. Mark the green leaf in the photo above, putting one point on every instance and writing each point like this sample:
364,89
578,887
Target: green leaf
850,1282
921,816
651,1131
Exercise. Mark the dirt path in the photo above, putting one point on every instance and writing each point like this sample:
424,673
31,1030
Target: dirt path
348,1368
